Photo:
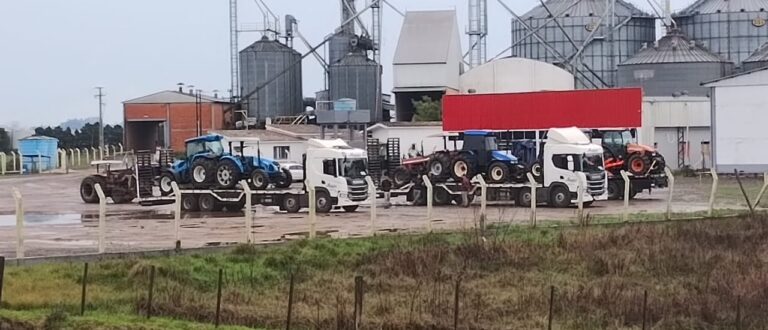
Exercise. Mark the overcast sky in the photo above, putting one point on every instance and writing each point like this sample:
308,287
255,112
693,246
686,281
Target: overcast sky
55,52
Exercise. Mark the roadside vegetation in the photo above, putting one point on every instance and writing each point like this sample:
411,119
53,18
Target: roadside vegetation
708,274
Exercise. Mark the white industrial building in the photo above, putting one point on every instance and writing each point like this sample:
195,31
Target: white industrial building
426,136
515,75
739,117
679,127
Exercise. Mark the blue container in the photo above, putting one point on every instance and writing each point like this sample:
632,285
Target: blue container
39,151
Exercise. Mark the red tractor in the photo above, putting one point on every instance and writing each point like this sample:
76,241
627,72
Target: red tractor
622,153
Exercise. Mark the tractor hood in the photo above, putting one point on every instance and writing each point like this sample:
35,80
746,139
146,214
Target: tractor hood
641,148
266,164
504,157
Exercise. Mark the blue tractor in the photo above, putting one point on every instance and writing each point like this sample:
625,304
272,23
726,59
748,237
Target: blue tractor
480,155
208,165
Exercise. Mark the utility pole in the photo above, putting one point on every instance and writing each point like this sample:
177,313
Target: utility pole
100,96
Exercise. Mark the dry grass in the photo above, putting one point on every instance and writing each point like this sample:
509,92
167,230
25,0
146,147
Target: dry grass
694,272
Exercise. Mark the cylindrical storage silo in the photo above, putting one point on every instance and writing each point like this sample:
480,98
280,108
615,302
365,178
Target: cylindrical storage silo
733,29
263,61
673,66
580,19
339,46
759,59
356,77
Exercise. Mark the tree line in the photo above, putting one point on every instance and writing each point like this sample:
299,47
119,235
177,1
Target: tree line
85,137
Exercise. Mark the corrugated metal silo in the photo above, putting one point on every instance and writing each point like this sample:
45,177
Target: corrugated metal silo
263,61
673,66
733,29
356,77
580,19
759,59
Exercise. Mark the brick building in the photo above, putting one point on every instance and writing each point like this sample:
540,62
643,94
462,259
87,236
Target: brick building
168,118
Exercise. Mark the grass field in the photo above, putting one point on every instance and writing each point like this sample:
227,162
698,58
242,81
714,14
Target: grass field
697,275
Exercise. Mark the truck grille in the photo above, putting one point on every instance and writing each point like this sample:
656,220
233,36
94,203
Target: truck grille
358,193
596,183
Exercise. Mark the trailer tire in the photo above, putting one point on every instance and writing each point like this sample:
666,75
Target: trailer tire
614,191
259,179
202,170
498,172
441,196
462,166
559,197
285,180
227,174
323,201
165,183
207,203
189,202
291,203
524,197
350,208
401,177
88,188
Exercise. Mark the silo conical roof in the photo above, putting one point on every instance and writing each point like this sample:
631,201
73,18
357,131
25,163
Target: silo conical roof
760,55
673,48
583,8
267,45
723,6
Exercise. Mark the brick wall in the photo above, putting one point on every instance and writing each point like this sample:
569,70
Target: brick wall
180,118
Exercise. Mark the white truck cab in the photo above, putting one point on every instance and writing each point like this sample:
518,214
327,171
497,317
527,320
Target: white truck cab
337,172
569,158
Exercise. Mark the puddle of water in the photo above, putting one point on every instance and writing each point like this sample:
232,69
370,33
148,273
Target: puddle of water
41,219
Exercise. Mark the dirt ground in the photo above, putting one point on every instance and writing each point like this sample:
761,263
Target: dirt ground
57,222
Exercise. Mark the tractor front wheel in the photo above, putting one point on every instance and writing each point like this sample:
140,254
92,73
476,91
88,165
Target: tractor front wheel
285,180
498,172
638,164
259,179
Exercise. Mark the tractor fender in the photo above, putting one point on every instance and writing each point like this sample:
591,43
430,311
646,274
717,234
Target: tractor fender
235,160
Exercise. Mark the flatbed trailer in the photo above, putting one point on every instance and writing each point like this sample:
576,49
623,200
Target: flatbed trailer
637,185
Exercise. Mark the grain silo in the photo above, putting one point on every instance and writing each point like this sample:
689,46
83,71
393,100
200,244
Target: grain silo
575,23
733,29
674,65
759,59
269,60
356,77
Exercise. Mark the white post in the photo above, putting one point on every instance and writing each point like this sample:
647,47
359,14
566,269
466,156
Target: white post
3,160
95,153
101,153
715,180
13,162
372,194
121,147
79,157
71,157
625,176
19,223
532,182
580,190
114,150
87,156
671,178
248,212
39,162
762,190
430,193
483,199
176,213
102,217
312,212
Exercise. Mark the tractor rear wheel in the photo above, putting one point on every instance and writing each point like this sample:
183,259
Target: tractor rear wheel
203,172
259,179
638,164
498,172
88,188
227,174
462,166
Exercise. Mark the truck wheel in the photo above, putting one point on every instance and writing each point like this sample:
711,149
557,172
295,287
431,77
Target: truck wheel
498,172
524,197
614,190
259,179
88,189
638,164
560,197
207,203
401,177
291,204
323,202
165,183
227,174
438,167
441,196
350,209
462,166
285,180
202,172
189,202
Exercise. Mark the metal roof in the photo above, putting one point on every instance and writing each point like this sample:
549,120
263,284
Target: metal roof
673,48
717,6
266,45
172,97
262,135
38,137
713,83
583,8
426,37
760,55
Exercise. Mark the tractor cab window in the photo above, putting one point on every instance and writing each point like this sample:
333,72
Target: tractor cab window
491,144
194,148
626,137
214,147
353,168
329,167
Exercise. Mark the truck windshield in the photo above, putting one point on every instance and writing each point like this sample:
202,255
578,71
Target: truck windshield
592,163
353,168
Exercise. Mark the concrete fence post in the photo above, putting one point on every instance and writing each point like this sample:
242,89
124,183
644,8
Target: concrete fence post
3,161
762,190
13,162
121,148
101,153
715,181
430,198
87,156
312,212
79,157
39,162
532,182
19,223
580,191
372,194
102,217
71,157
114,150
483,201
248,211
671,179
627,187
95,153
176,214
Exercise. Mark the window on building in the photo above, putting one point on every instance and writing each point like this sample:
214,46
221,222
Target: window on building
281,152
329,167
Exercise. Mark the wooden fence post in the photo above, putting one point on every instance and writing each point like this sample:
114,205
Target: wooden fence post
85,284
2,275
218,297
151,291
358,317
290,303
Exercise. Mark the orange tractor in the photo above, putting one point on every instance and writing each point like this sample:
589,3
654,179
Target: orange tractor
622,153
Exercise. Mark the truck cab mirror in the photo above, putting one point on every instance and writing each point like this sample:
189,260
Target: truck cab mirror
571,165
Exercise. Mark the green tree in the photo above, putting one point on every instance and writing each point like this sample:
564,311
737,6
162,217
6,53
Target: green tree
428,110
